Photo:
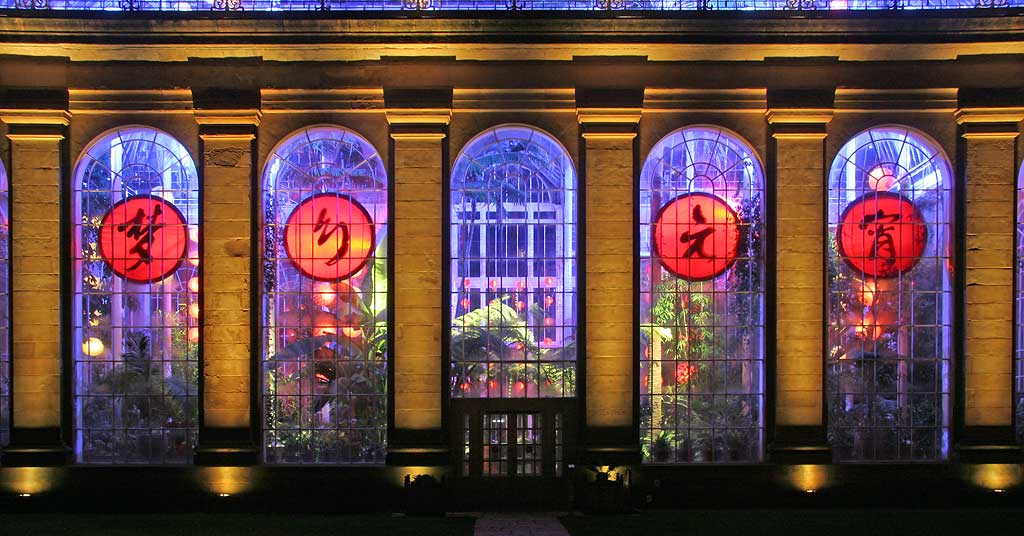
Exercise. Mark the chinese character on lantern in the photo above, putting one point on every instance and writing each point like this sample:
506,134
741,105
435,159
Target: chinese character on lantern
329,237
882,234
697,236
143,238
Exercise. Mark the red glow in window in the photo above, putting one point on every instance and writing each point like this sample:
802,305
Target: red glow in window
882,234
329,237
696,236
143,239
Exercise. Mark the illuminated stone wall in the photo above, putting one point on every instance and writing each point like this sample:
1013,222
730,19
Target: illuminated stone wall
344,84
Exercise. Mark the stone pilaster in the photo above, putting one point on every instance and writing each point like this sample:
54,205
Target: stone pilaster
419,126
608,125
227,130
37,132
989,124
798,121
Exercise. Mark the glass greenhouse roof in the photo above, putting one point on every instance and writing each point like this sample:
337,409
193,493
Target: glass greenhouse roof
502,5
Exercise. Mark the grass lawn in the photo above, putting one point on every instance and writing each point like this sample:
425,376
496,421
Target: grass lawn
78,524
869,522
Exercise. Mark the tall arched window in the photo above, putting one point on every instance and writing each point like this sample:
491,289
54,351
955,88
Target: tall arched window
890,297
513,267
5,364
701,218
135,231
1019,348
325,288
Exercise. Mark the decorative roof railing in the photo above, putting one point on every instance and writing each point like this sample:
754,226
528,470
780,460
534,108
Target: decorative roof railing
501,5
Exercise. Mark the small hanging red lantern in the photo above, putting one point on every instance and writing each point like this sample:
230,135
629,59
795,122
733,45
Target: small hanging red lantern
685,372
882,234
697,236
143,238
329,237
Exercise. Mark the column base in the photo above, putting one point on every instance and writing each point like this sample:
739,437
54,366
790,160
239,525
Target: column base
421,448
989,444
800,445
226,447
615,446
36,447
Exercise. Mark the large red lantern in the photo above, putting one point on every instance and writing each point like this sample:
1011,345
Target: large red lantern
329,237
697,236
143,238
882,234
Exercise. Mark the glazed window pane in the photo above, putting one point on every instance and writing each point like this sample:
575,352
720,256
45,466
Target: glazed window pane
325,353
890,321
702,338
136,334
513,266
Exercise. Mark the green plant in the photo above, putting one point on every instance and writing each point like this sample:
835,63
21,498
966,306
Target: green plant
144,398
325,387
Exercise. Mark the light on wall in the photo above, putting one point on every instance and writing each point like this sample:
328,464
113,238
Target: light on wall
995,477
809,478
28,481
226,481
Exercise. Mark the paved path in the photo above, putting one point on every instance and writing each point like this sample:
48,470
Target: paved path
516,524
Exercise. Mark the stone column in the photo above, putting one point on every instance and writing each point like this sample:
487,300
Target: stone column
227,130
798,121
989,123
37,133
419,129
608,125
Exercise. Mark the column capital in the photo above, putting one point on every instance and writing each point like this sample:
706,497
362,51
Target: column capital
227,112
35,117
609,113
989,122
989,113
800,113
418,106
35,108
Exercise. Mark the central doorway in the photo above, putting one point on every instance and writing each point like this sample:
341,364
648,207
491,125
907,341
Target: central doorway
512,438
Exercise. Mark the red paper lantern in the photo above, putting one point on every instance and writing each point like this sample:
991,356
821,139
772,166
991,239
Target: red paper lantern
143,238
697,236
329,237
882,234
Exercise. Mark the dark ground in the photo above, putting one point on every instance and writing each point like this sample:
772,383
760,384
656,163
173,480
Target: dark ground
837,522
229,524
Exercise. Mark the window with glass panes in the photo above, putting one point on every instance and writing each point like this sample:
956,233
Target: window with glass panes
889,297
1018,383
135,302
324,308
513,267
5,363
702,244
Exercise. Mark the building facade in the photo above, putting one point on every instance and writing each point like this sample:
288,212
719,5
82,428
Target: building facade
759,248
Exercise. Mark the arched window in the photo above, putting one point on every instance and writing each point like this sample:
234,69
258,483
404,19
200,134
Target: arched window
135,305
5,363
889,297
701,220
1019,383
513,267
325,288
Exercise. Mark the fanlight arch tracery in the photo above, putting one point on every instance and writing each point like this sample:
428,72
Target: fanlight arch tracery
324,311
136,304
5,362
513,266
701,218
890,297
